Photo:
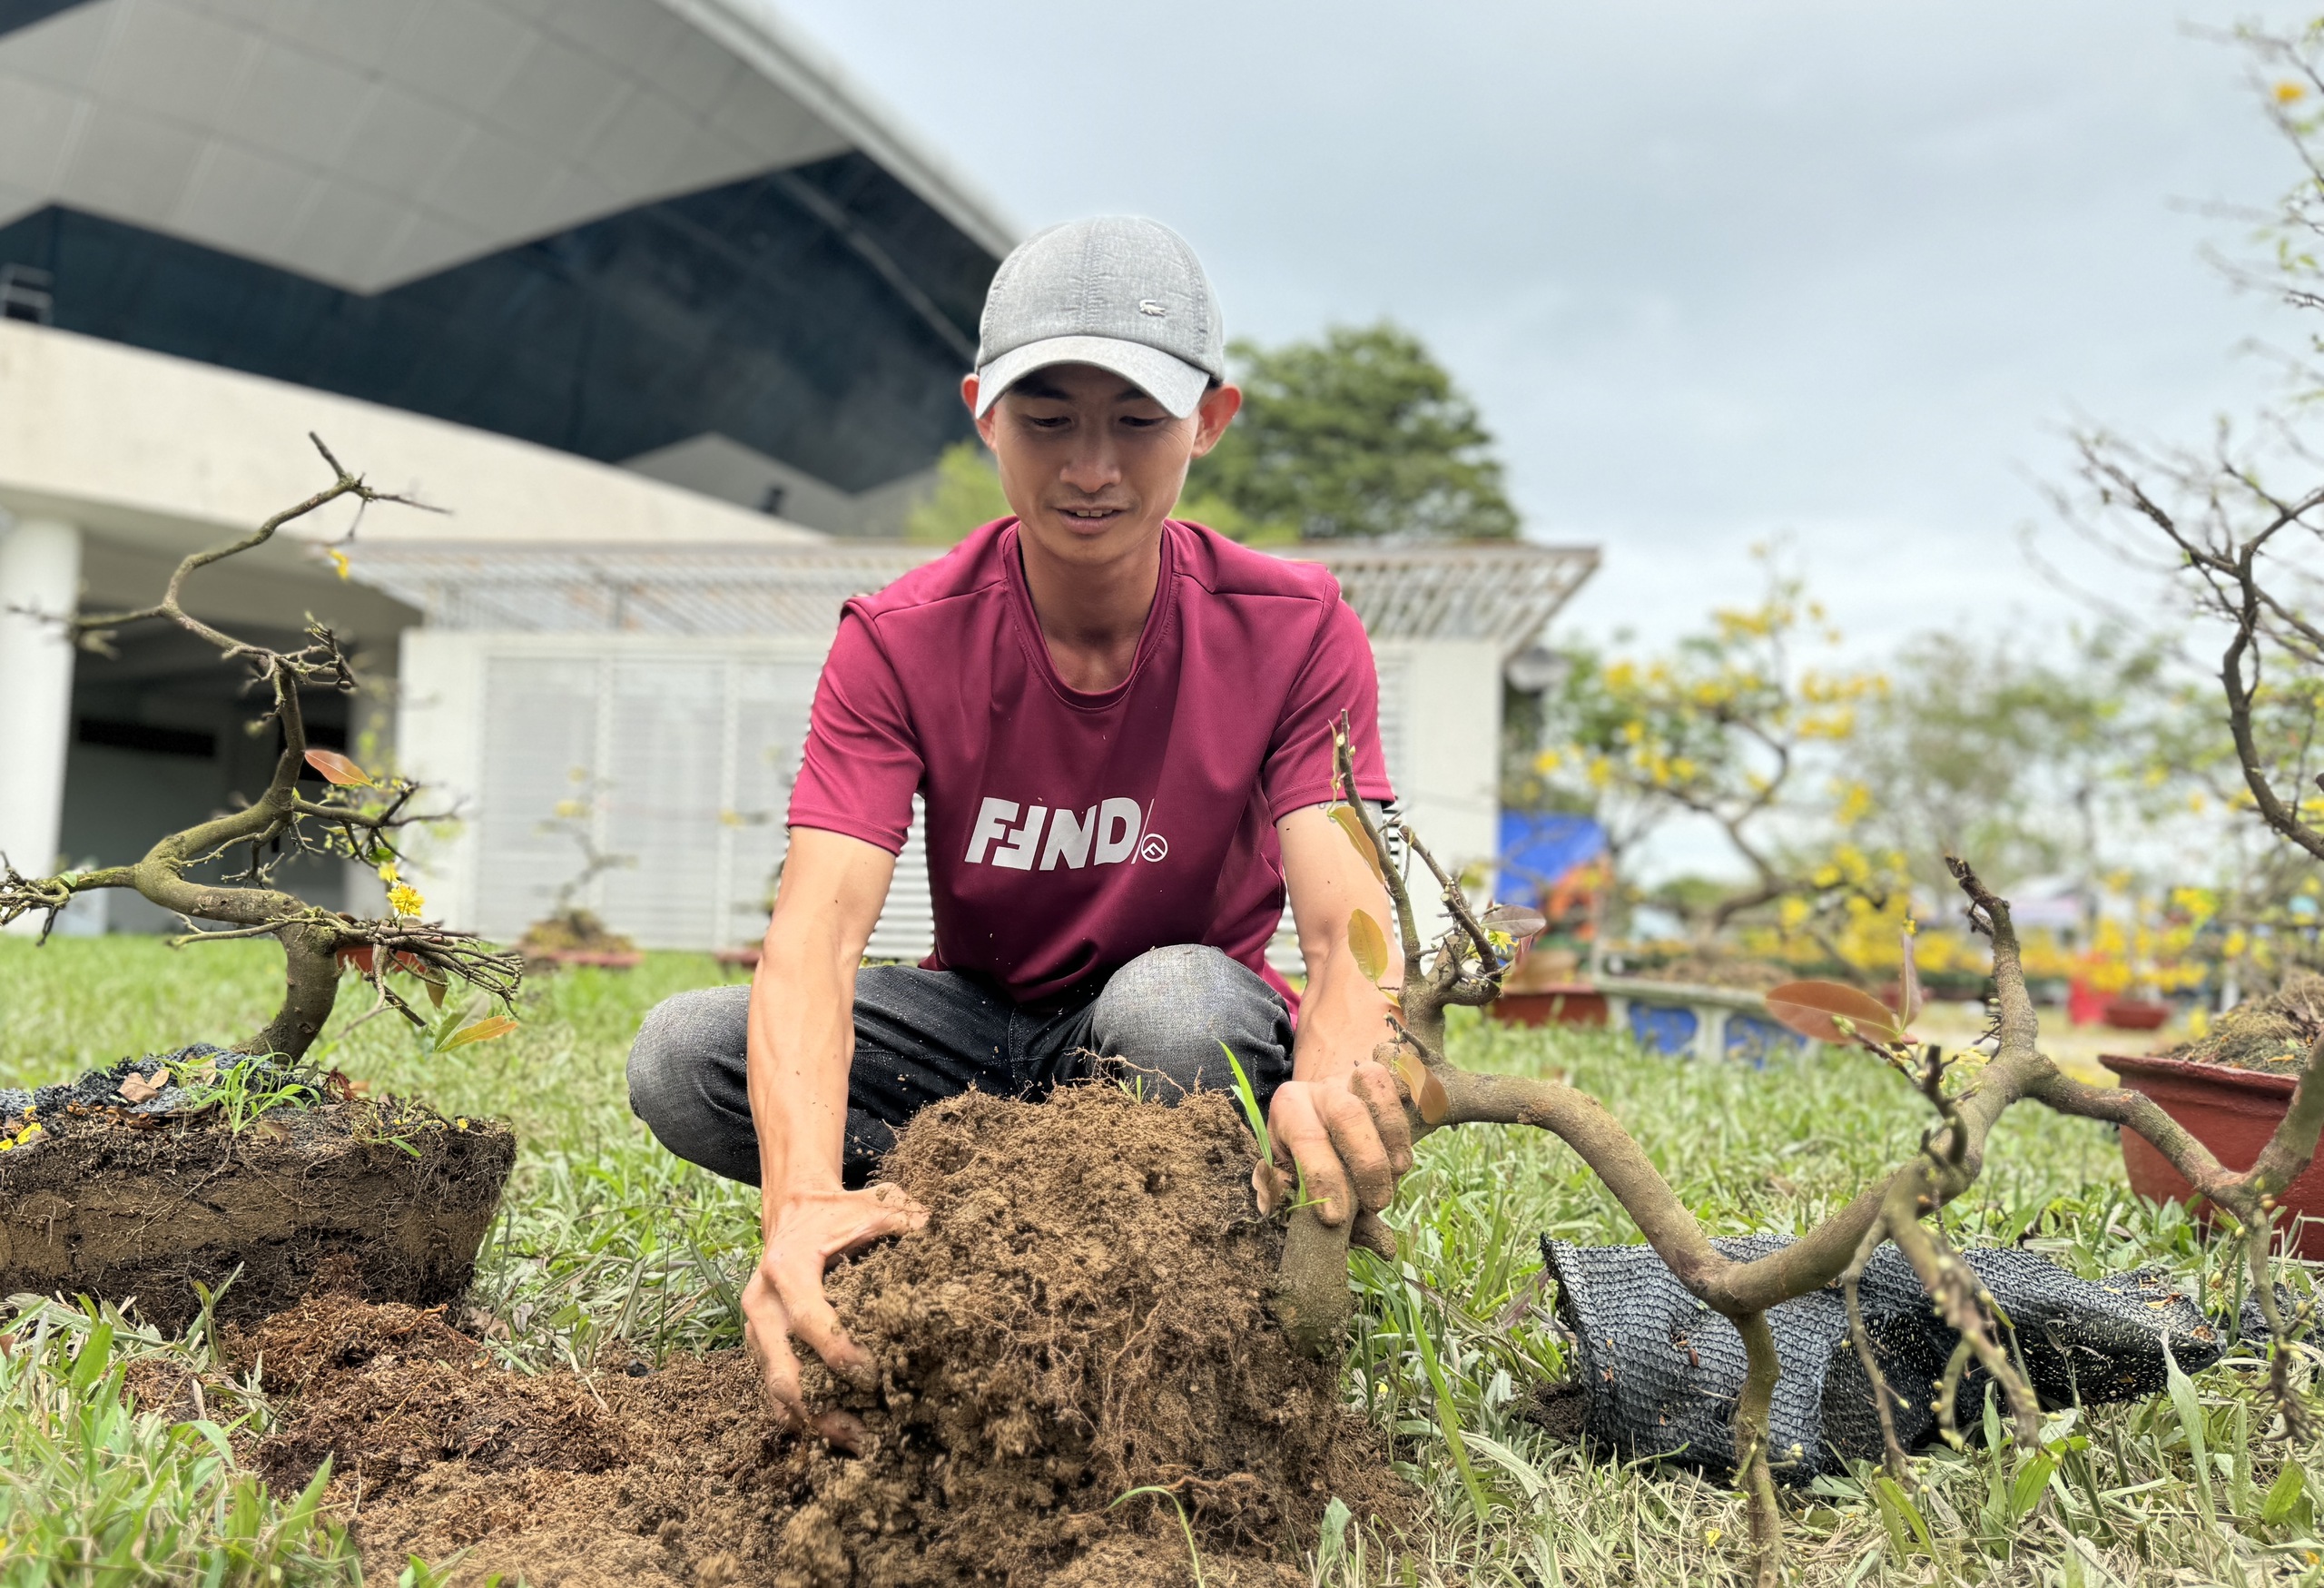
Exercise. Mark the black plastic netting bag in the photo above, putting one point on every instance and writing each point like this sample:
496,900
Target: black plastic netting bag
1659,1372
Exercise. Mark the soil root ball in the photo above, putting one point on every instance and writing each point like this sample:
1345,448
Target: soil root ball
144,1201
1081,1316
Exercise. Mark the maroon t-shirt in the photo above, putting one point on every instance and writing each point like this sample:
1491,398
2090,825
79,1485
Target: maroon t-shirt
1070,832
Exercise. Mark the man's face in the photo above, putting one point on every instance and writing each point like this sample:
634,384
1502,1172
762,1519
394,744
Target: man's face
1091,464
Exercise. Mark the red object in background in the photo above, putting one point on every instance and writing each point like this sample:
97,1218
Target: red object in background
2233,1112
2134,1015
1574,1004
2086,1005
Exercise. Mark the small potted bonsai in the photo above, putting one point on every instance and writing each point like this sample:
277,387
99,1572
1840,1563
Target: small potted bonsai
570,934
2229,1088
208,1164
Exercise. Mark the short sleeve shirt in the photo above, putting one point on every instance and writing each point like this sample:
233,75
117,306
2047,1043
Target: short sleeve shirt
1070,832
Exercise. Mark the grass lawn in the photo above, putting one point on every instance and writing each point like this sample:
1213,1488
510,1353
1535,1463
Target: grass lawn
608,1250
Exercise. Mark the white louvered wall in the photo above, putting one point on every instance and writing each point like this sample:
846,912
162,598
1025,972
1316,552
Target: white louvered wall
686,746
1440,737
685,752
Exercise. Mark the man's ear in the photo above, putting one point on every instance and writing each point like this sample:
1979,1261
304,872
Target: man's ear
986,422
1216,411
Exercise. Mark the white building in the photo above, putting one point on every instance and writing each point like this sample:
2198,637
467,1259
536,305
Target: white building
595,271
663,313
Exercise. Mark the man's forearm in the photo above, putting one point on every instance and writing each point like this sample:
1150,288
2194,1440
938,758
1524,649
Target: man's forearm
1340,1018
801,1043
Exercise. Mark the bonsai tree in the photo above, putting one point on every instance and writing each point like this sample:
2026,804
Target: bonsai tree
356,817
569,926
1310,1294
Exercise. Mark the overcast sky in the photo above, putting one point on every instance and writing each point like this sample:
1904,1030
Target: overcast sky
1712,270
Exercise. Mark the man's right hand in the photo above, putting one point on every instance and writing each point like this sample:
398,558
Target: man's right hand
784,1297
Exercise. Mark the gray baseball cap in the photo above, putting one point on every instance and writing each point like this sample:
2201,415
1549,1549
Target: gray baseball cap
1125,294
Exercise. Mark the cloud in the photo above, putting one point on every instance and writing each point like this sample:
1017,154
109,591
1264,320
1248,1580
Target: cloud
1712,272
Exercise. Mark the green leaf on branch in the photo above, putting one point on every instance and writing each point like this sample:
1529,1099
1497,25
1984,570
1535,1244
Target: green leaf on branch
1831,1011
1369,944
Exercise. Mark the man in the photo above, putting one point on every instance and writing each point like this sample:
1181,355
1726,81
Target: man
1122,728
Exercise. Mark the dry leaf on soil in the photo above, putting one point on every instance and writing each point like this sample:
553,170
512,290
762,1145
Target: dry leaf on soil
138,1088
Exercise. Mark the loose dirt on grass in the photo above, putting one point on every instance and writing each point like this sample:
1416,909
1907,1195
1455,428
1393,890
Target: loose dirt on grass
384,1197
1081,1316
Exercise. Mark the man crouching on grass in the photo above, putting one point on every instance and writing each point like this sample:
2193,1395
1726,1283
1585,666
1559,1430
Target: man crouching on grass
1121,725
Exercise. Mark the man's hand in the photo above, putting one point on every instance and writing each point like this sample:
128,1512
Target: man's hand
1347,1137
785,1295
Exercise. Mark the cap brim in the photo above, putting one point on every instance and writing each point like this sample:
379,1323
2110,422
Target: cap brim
1171,381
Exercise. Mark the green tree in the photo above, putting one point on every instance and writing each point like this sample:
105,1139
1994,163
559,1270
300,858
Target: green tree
2035,766
967,495
1360,434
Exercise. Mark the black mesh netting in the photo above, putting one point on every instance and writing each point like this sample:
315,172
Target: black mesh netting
1660,1372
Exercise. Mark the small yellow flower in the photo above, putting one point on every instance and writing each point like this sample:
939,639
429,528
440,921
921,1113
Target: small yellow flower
404,900
2288,92
388,873
339,561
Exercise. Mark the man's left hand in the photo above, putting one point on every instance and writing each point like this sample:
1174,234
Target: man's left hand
1347,1137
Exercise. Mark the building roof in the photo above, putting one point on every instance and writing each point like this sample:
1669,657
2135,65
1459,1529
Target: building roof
1505,592
608,226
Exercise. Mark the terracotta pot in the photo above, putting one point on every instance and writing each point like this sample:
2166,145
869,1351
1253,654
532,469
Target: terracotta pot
2134,1015
2233,1112
1575,1003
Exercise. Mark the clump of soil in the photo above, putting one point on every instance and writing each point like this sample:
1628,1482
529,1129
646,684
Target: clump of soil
391,1390
1080,1316
122,1190
577,936
2271,1033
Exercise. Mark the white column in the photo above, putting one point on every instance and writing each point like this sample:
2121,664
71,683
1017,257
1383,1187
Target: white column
40,581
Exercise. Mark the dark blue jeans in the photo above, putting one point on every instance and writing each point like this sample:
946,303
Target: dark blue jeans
922,1036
